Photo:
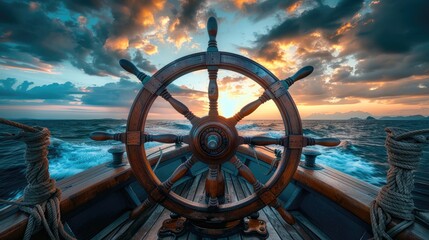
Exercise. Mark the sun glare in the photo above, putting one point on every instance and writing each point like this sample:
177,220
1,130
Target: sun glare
228,104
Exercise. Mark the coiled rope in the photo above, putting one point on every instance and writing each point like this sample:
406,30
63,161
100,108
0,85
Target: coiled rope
41,196
404,150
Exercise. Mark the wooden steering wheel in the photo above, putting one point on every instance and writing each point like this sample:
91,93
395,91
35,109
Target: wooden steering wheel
214,139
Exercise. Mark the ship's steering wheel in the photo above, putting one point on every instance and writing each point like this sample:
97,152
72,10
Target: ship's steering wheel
214,139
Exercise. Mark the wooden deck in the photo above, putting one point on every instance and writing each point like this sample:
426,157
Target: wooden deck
237,189
342,198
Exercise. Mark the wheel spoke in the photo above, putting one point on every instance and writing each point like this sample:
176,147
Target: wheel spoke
180,171
250,108
179,106
212,66
166,138
213,90
262,141
290,141
246,173
147,204
215,186
283,213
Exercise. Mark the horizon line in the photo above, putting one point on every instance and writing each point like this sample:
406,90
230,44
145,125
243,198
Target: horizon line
154,119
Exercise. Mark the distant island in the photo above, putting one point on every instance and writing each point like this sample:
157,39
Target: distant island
412,117
403,118
361,116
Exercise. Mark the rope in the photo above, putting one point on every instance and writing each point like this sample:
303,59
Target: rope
404,150
41,197
255,154
18,125
159,160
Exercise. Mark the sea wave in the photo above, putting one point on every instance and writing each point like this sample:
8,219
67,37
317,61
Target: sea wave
67,159
345,161
360,154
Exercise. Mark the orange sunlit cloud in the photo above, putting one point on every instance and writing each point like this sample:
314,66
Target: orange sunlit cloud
35,66
294,7
116,43
357,67
241,3
145,17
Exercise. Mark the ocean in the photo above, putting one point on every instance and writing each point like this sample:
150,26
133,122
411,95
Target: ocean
361,154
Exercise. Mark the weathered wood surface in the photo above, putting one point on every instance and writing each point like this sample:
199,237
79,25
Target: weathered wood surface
79,189
346,191
236,189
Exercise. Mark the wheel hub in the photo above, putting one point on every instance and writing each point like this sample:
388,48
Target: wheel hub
214,141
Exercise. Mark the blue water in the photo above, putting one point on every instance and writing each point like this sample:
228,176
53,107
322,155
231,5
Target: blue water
361,153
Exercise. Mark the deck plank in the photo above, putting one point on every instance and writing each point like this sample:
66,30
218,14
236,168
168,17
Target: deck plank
230,191
192,189
238,189
307,224
199,195
275,229
150,230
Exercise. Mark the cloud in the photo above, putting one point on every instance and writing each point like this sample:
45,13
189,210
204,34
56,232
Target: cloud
405,88
394,26
84,6
390,43
32,31
123,93
143,63
360,50
54,91
120,93
35,39
116,95
324,18
258,10
189,18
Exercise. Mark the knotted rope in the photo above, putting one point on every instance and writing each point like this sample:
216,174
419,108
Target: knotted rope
404,150
41,196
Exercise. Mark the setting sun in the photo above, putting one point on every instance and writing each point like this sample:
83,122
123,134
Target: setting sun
228,104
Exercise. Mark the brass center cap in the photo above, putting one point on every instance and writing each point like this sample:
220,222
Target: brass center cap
213,140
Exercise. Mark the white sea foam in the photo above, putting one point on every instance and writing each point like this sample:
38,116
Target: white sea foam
70,158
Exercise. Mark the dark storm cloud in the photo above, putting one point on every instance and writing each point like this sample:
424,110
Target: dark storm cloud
30,38
387,67
122,93
260,10
188,13
393,43
406,88
83,6
126,23
386,41
54,91
32,31
119,93
322,17
395,26
143,63
185,20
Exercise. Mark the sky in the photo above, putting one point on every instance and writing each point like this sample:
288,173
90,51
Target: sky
59,59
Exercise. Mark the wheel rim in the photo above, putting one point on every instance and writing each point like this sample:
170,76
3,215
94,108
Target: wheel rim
197,211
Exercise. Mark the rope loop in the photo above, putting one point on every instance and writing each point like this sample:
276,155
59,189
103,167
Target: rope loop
41,198
404,150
